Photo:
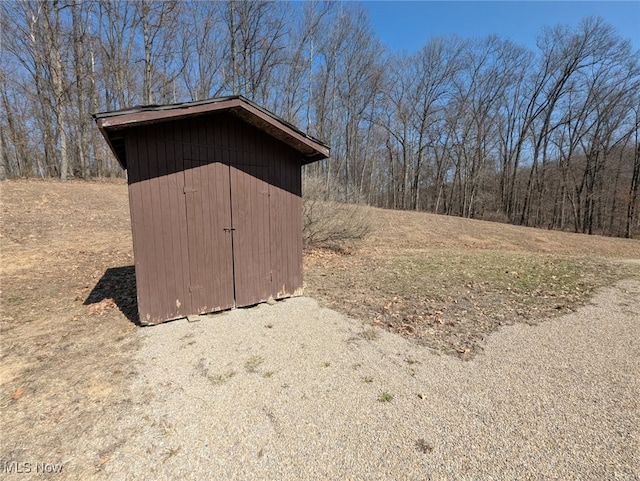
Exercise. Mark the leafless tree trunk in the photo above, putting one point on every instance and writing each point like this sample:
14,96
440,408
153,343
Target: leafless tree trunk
634,188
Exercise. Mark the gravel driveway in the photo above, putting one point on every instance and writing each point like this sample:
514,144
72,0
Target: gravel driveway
295,391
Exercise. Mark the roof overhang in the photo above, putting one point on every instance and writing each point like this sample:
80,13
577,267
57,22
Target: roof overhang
114,124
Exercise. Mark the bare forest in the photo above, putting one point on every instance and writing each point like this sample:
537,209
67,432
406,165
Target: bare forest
481,128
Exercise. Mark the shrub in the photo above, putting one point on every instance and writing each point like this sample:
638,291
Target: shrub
330,224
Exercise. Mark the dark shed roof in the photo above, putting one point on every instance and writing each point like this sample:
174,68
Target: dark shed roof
113,124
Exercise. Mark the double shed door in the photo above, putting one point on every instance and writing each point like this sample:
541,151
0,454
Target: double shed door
228,237
200,248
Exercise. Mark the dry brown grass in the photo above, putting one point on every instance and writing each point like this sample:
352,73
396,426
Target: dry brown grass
446,282
66,359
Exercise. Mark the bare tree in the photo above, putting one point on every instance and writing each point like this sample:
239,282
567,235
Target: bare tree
255,33
116,22
201,50
634,188
158,21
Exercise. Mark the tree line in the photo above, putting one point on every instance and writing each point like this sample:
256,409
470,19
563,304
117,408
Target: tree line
481,128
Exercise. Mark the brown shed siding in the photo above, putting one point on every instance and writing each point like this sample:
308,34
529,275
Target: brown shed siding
250,212
158,207
286,218
216,216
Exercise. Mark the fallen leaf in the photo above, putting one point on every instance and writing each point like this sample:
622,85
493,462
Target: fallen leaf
102,306
18,394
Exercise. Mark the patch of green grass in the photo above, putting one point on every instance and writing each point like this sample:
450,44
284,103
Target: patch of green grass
489,283
218,379
367,379
385,397
326,364
451,299
14,300
429,273
171,452
423,446
268,374
369,334
252,364
456,273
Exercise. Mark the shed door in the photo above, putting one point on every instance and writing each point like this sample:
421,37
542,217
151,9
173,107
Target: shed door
208,232
228,234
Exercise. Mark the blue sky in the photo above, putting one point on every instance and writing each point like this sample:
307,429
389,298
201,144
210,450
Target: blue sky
407,25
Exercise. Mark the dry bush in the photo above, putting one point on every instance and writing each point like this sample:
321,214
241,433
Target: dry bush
330,224
495,216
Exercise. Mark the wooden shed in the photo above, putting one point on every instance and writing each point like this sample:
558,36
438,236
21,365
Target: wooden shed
215,201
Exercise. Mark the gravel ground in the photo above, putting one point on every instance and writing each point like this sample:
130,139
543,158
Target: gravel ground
293,391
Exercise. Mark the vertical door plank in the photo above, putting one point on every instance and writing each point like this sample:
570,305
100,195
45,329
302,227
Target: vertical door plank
172,208
177,224
147,246
221,200
156,212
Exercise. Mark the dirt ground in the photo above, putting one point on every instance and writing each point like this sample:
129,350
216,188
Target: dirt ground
68,295
61,360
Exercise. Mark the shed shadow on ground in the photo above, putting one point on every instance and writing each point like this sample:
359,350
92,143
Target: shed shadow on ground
119,284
